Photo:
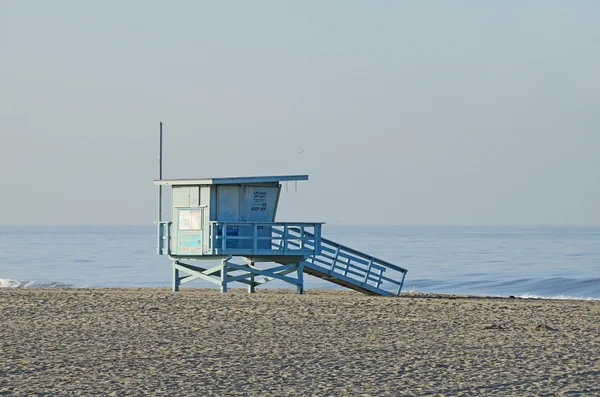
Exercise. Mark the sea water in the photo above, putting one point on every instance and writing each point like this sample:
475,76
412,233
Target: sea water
495,261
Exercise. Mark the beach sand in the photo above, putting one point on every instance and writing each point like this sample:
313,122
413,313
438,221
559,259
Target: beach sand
325,343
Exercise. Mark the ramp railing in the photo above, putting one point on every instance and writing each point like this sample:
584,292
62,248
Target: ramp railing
357,268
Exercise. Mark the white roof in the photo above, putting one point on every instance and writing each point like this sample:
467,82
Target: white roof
232,180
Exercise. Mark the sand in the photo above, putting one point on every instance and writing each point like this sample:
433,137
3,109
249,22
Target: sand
273,343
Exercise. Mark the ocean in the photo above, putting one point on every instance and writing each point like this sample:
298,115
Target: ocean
545,262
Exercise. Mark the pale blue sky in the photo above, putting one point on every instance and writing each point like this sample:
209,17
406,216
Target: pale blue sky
422,112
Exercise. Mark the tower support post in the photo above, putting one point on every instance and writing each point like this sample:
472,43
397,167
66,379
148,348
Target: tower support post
224,275
300,277
251,285
176,280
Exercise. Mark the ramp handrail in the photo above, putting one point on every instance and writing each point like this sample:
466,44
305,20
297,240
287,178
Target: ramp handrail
357,267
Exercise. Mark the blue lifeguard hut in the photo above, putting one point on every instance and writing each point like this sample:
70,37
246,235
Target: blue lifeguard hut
225,220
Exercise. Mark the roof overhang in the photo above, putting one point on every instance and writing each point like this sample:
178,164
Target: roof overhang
231,181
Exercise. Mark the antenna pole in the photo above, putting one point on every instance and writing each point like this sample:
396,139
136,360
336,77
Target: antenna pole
160,148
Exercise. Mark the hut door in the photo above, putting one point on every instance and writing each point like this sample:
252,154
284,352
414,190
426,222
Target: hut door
259,205
189,231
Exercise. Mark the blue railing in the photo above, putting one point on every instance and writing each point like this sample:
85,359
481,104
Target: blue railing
164,238
357,268
265,238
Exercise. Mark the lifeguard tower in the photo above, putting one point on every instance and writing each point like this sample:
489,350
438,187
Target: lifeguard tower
228,219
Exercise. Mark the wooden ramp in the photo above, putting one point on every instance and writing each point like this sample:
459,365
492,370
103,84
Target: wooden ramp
350,268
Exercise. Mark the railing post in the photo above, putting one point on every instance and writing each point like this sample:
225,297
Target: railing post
169,226
254,238
317,238
223,236
366,280
210,237
401,284
285,238
160,238
333,262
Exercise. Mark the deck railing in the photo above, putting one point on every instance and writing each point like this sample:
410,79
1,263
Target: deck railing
265,238
164,238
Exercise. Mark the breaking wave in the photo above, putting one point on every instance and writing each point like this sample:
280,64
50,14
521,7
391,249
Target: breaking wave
546,288
8,283
561,297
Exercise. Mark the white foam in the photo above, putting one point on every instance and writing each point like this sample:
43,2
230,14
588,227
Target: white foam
561,297
9,283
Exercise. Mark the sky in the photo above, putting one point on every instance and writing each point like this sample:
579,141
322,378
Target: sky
401,112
